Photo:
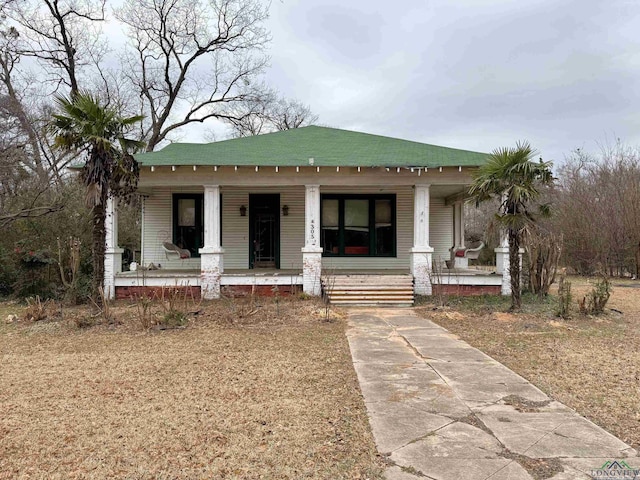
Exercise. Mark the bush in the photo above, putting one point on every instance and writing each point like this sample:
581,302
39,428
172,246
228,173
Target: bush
594,302
564,297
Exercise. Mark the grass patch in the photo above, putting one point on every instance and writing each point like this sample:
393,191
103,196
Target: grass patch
263,396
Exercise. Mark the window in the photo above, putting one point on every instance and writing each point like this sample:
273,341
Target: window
361,225
188,222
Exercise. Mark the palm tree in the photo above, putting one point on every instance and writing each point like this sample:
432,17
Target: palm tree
512,175
97,132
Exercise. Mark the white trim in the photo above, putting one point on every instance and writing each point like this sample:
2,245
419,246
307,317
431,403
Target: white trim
261,279
453,278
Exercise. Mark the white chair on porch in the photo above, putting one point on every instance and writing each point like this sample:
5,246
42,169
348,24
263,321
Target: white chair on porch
460,256
172,251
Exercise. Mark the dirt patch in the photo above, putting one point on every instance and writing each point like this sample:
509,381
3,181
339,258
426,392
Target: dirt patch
268,394
591,364
474,421
524,405
503,317
538,468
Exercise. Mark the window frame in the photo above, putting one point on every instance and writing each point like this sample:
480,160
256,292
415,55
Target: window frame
371,198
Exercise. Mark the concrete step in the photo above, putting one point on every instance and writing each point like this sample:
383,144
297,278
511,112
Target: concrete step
346,296
369,290
385,279
361,303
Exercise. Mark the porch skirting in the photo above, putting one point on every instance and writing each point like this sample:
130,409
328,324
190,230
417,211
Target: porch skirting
288,282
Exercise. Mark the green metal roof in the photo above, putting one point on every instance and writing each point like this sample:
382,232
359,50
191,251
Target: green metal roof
327,146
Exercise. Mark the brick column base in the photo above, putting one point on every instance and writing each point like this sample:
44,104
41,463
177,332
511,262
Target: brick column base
211,268
421,261
312,270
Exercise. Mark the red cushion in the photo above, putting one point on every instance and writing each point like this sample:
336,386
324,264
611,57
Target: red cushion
460,253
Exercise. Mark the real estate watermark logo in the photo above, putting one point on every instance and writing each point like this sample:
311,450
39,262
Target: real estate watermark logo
615,470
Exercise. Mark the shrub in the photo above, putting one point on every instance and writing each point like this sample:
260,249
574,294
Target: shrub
38,310
177,302
564,297
594,302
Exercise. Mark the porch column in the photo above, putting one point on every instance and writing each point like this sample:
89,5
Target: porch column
112,254
312,251
503,266
458,235
421,253
502,262
211,255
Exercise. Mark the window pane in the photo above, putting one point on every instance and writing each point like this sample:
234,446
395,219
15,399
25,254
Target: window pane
187,212
384,240
384,230
330,213
331,240
356,213
356,227
383,211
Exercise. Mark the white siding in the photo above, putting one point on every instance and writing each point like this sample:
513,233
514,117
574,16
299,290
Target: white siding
235,229
440,229
158,228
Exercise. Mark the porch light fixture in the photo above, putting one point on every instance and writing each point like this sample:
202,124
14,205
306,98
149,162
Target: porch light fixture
285,210
243,211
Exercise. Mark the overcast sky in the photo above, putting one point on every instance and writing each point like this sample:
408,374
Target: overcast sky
471,74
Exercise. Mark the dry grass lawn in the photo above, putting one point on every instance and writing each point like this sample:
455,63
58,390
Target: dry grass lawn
231,396
590,363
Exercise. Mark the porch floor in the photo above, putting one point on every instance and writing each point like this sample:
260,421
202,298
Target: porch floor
164,272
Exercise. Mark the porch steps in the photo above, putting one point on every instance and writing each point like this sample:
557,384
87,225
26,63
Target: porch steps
368,290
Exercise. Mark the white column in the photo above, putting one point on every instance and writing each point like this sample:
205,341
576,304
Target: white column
502,259
503,263
422,252
112,254
312,251
458,235
212,254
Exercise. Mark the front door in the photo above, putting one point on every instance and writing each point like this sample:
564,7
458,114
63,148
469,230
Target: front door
264,231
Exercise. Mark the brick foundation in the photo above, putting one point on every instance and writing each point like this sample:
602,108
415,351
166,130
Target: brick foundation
260,290
466,290
123,293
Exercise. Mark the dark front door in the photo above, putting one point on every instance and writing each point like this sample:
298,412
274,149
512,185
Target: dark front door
264,231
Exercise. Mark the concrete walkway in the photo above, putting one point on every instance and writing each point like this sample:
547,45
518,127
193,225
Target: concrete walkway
442,409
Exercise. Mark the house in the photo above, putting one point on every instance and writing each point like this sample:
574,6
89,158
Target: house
290,208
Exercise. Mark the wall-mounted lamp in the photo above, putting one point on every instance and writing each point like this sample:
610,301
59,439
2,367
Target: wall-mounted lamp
243,211
285,210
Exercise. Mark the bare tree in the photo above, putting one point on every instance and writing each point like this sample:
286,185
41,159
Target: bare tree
63,35
191,60
599,211
268,113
